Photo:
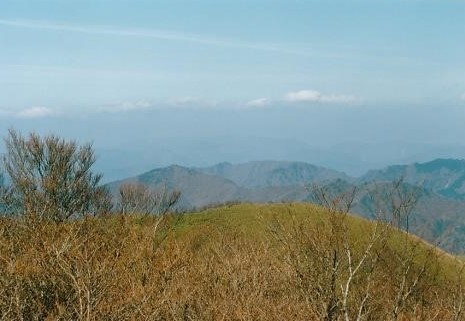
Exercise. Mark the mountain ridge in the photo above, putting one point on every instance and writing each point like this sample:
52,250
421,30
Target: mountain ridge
443,176
440,182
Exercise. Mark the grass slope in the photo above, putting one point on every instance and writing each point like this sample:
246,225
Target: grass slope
238,262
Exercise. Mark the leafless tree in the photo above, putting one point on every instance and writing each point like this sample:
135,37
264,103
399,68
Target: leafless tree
139,198
51,178
8,206
394,203
336,201
339,273
329,265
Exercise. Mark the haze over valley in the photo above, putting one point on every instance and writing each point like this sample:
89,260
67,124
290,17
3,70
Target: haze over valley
349,85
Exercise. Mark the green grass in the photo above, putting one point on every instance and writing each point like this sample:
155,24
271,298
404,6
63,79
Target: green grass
254,221
251,220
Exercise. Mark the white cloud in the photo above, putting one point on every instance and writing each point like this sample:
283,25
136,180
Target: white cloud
35,112
462,97
127,106
338,99
181,101
309,95
191,102
259,102
303,95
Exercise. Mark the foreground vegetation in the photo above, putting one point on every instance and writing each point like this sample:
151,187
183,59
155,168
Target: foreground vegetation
239,262
68,252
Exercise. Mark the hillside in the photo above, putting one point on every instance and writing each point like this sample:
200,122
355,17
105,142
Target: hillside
253,182
437,217
274,173
248,262
198,189
443,176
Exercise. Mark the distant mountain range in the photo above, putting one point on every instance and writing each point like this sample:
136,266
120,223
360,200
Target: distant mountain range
438,216
273,173
261,181
443,176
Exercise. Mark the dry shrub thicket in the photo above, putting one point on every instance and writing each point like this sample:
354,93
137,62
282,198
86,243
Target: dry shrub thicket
238,262
136,197
51,178
127,267
348,270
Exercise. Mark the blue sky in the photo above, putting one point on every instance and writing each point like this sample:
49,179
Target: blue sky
97,54
268,60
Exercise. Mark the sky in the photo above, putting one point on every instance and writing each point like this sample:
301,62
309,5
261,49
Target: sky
344,78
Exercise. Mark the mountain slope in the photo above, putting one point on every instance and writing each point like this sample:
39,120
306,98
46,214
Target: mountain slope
198,189
242,262
265,181
274,173
438,215
443,176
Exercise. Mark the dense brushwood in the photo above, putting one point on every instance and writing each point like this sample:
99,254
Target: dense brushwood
239,262
50,178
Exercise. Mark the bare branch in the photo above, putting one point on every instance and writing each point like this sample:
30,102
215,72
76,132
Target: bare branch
51,178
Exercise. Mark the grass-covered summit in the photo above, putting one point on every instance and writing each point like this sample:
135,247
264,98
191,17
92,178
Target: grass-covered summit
238,262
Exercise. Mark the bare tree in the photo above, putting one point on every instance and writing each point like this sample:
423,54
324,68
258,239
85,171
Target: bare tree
52,178
339,273
348,261
339,201
4,196
394,203
335,275
334,272
139,198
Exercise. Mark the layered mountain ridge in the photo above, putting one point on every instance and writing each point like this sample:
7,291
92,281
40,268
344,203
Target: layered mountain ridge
439,215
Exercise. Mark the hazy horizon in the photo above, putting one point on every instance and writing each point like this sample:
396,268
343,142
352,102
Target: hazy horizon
350,85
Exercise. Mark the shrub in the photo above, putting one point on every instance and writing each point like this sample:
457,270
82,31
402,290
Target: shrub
52,178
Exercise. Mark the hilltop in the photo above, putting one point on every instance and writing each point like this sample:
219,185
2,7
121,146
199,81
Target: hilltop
437,217
249,262
264,181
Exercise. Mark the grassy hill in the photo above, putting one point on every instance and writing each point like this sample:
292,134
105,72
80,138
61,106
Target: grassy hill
253,182
238,262
437,217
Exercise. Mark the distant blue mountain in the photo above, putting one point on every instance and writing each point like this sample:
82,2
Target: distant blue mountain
443,176
274,173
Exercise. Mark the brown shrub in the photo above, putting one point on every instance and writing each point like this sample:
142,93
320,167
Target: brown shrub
140,268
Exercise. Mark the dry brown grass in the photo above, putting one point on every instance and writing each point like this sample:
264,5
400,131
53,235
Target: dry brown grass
228,263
